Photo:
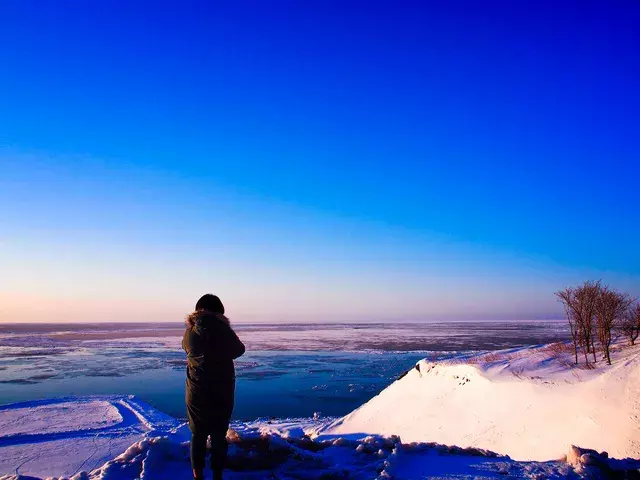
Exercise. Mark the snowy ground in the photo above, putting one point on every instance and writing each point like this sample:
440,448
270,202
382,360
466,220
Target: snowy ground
530,403
63,437
516,399
121,438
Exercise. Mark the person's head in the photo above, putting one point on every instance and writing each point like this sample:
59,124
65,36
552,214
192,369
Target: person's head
211,303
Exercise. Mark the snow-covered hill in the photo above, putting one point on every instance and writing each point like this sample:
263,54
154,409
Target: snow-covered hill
529,403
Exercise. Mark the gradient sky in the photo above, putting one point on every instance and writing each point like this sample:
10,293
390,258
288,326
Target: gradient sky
316,160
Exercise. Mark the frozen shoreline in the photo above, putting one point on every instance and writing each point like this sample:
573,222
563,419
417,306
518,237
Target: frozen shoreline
119,437
297,369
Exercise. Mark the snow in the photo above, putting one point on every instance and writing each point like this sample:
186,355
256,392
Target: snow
71,434
59,417
529,403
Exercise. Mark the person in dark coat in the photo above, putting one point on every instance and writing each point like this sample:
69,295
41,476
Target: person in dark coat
211,346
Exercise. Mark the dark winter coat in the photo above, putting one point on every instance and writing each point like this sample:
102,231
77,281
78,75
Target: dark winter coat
211,346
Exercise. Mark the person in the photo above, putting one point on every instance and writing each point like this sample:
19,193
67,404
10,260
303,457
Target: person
211,346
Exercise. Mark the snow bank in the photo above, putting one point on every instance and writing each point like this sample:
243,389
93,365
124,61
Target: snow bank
148,445
529,403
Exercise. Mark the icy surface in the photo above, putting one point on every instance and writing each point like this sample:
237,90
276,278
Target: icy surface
324,336
295,370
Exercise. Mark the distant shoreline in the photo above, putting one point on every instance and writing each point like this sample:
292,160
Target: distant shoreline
175,324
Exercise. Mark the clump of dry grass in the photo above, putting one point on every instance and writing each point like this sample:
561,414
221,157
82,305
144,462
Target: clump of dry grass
495,357
556,349
467,361
586,366
490,357
576,366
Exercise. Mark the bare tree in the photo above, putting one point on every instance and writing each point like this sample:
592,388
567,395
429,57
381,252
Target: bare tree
587,297
611,307
580,305
631,323
566,297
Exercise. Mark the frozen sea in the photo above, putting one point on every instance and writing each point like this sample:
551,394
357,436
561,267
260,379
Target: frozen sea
290,370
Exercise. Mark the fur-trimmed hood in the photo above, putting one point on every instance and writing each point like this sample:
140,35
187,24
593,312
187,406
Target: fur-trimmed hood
198,320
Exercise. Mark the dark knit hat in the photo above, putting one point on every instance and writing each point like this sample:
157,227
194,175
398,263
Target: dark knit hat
210,302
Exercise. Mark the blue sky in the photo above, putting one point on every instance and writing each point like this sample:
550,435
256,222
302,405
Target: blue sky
316,160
